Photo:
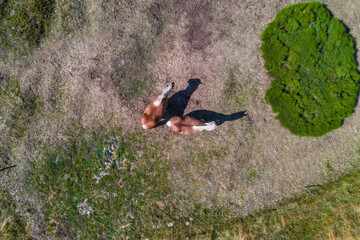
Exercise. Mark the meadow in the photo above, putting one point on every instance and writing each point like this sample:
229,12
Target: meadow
75,78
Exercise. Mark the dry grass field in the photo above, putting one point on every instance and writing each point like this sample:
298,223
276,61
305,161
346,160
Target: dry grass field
103,61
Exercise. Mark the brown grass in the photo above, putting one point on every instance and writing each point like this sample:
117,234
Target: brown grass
184,40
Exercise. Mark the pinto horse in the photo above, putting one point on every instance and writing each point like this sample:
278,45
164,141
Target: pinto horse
155,110
190,125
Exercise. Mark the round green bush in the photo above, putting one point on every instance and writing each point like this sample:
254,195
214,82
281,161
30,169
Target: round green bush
311,58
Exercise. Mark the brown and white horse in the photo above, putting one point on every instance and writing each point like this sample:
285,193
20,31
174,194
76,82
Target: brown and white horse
155,110
190,125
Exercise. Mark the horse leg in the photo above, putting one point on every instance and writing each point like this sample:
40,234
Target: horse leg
164,94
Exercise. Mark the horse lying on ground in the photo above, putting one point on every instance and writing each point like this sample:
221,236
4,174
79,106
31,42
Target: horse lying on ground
154,112
190,125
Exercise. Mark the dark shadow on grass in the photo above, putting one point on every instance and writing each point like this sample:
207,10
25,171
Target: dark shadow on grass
209,116
179,101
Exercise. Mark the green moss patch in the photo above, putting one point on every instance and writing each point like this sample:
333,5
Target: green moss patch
12,226
311,57
24,22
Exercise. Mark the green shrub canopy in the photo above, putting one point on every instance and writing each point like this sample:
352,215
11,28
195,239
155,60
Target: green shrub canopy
311,57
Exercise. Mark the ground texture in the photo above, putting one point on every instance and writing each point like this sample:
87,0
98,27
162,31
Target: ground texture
119,56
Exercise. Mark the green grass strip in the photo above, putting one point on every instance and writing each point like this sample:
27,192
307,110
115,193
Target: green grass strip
332,213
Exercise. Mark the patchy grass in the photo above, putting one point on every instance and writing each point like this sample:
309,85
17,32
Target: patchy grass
252,174
24,23
332,213
102,187
71,15
131,77
17,106
238,91
210,176
114,187
233,89
12,226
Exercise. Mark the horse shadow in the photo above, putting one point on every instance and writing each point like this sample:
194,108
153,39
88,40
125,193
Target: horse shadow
178,102
209,116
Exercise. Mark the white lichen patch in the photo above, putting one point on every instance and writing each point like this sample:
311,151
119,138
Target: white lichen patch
100,175
84,208
110,156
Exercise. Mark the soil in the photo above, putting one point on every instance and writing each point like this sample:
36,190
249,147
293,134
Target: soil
250,161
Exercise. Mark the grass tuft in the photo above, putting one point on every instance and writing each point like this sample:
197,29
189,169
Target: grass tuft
238,91
12,226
